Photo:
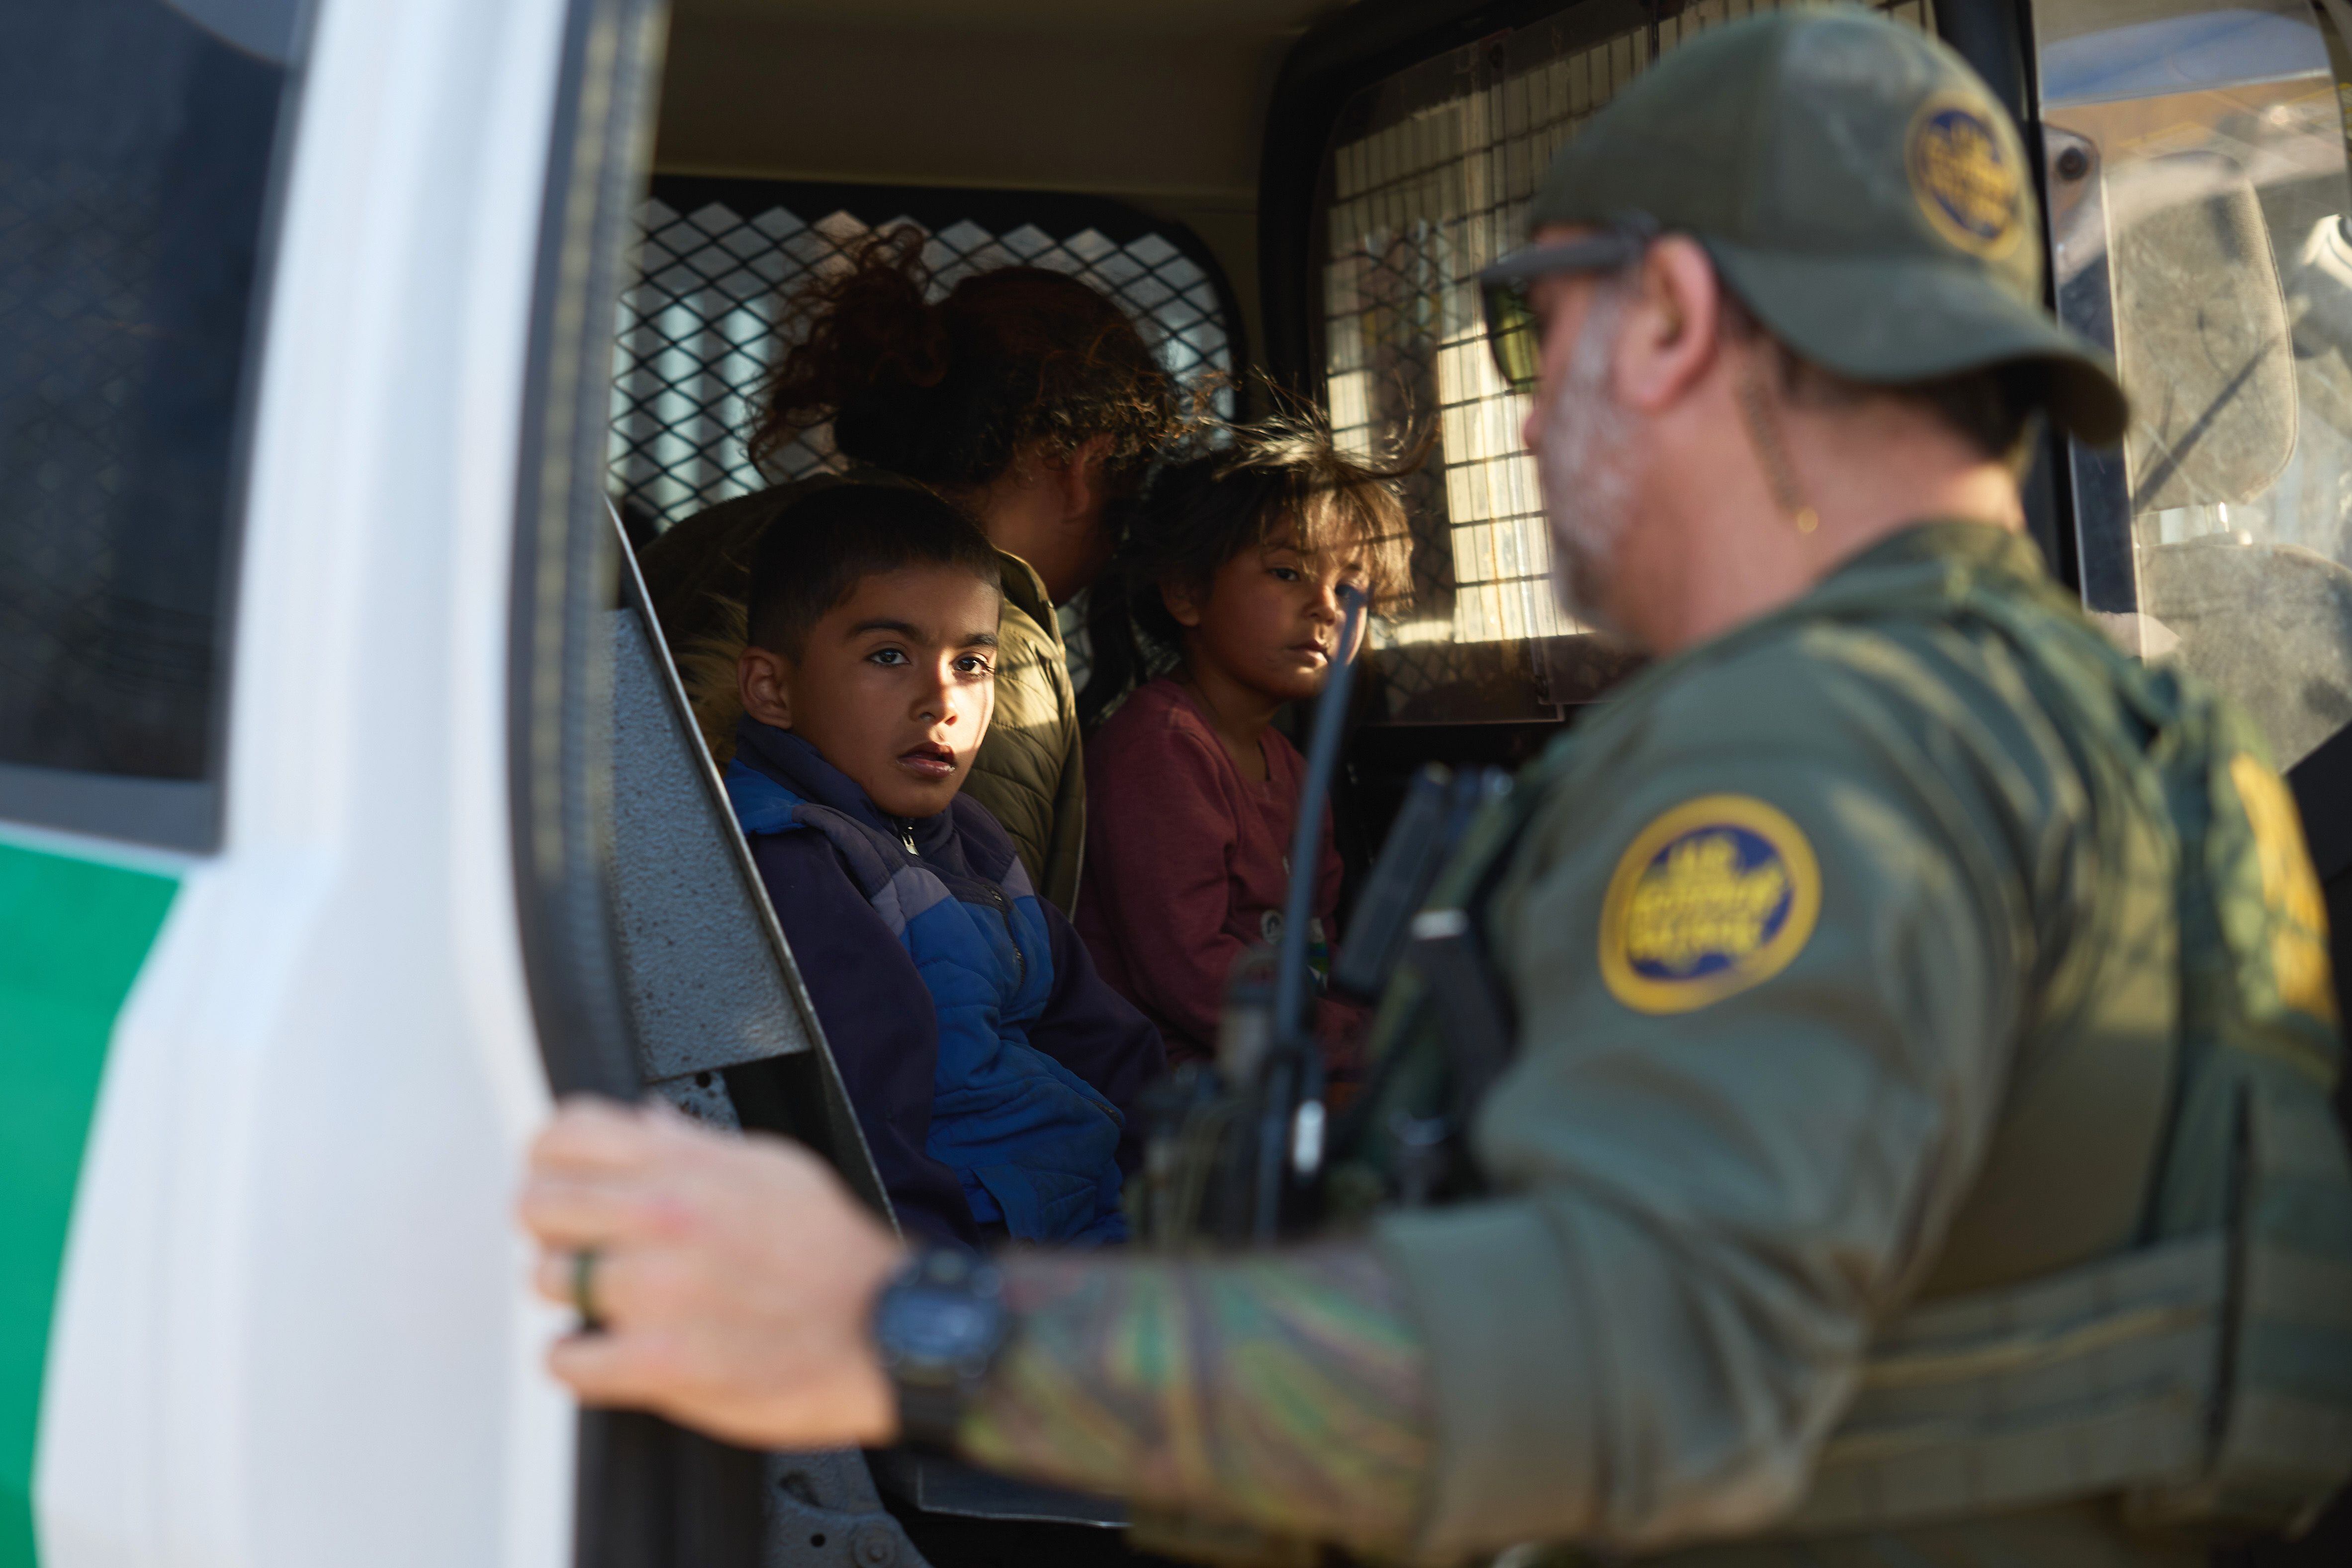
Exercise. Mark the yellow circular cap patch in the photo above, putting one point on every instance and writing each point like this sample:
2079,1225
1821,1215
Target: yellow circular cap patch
1966,177
1712,897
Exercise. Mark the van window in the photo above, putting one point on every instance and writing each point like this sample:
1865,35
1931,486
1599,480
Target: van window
2199,202
698,331
135,146
1426,181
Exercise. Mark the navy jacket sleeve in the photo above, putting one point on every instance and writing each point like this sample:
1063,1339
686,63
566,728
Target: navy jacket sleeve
1096,1033
878,1019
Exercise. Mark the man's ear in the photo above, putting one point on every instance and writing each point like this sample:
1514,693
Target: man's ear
1182,602
1673,325
1079,476
764,678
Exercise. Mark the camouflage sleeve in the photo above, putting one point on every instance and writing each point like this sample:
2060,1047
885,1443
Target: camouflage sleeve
1284,1392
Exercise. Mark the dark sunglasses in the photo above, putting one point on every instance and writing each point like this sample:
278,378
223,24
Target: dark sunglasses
1513,335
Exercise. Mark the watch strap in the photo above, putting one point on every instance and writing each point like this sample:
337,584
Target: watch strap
934,1391
930,1414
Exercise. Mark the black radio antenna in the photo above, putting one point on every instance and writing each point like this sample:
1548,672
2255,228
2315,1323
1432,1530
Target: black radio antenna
1291,1016
1290,1084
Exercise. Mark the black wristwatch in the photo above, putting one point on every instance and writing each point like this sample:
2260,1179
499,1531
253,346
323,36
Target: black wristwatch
939,1326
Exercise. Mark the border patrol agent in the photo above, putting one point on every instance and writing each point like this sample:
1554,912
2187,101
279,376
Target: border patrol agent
1913,1144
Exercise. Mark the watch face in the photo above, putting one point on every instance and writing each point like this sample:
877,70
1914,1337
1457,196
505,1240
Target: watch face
923,1330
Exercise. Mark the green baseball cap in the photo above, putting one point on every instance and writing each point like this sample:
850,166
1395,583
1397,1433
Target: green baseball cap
1858,187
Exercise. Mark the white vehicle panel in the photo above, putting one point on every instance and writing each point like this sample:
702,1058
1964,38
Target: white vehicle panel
294,1327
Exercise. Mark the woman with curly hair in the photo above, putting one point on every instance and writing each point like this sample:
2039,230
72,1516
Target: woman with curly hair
1025,397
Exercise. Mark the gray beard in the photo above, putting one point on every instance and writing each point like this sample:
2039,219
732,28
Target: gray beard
1581,466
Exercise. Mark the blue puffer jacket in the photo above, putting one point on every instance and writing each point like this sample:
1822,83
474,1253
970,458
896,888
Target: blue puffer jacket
1034,1145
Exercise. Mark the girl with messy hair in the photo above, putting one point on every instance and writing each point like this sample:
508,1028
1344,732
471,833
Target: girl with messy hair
1025,397
1227,596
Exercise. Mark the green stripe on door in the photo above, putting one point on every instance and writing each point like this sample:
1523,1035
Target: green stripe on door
72,936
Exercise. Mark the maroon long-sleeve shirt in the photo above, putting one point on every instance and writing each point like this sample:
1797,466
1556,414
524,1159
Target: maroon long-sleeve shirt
1187,865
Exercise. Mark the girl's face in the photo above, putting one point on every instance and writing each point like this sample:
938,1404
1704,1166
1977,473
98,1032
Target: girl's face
1270,620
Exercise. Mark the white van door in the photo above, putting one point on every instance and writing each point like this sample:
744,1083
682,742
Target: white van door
291,306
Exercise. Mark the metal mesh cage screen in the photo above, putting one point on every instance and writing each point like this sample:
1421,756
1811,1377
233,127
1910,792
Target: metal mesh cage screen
134,164
700,330
1428,181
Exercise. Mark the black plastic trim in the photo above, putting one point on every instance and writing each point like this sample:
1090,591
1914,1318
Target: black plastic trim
649,1494
170,814
1996,38
1990,35
2322,783
2323,792
1059,212
561,676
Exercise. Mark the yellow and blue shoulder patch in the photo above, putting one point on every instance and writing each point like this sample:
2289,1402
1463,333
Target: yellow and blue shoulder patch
1712,897
1966,176
2296,908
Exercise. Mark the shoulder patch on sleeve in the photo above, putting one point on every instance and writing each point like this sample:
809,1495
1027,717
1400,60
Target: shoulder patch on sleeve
2291,891
1714,896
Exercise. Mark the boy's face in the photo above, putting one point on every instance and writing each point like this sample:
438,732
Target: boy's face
894,686
1270,621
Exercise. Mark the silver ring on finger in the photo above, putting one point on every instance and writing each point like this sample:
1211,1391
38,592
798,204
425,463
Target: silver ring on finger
583,1287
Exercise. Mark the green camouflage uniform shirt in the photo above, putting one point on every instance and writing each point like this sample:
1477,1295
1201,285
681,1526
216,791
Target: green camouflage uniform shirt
1847,958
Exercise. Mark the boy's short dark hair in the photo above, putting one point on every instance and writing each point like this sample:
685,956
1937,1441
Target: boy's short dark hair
823,545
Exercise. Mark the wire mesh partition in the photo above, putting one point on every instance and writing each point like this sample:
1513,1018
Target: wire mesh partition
136,159
1427,181
700,330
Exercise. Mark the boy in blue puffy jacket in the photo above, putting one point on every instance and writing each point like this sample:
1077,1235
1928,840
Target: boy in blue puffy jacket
991,1068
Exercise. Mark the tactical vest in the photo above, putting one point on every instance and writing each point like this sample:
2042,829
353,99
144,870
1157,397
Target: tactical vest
2203,1375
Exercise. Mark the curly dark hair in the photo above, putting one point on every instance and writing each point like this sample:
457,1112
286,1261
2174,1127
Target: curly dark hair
1280,479
948,391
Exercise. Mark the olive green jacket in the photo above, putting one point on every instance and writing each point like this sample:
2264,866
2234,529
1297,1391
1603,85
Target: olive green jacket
1847,970
1030,773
